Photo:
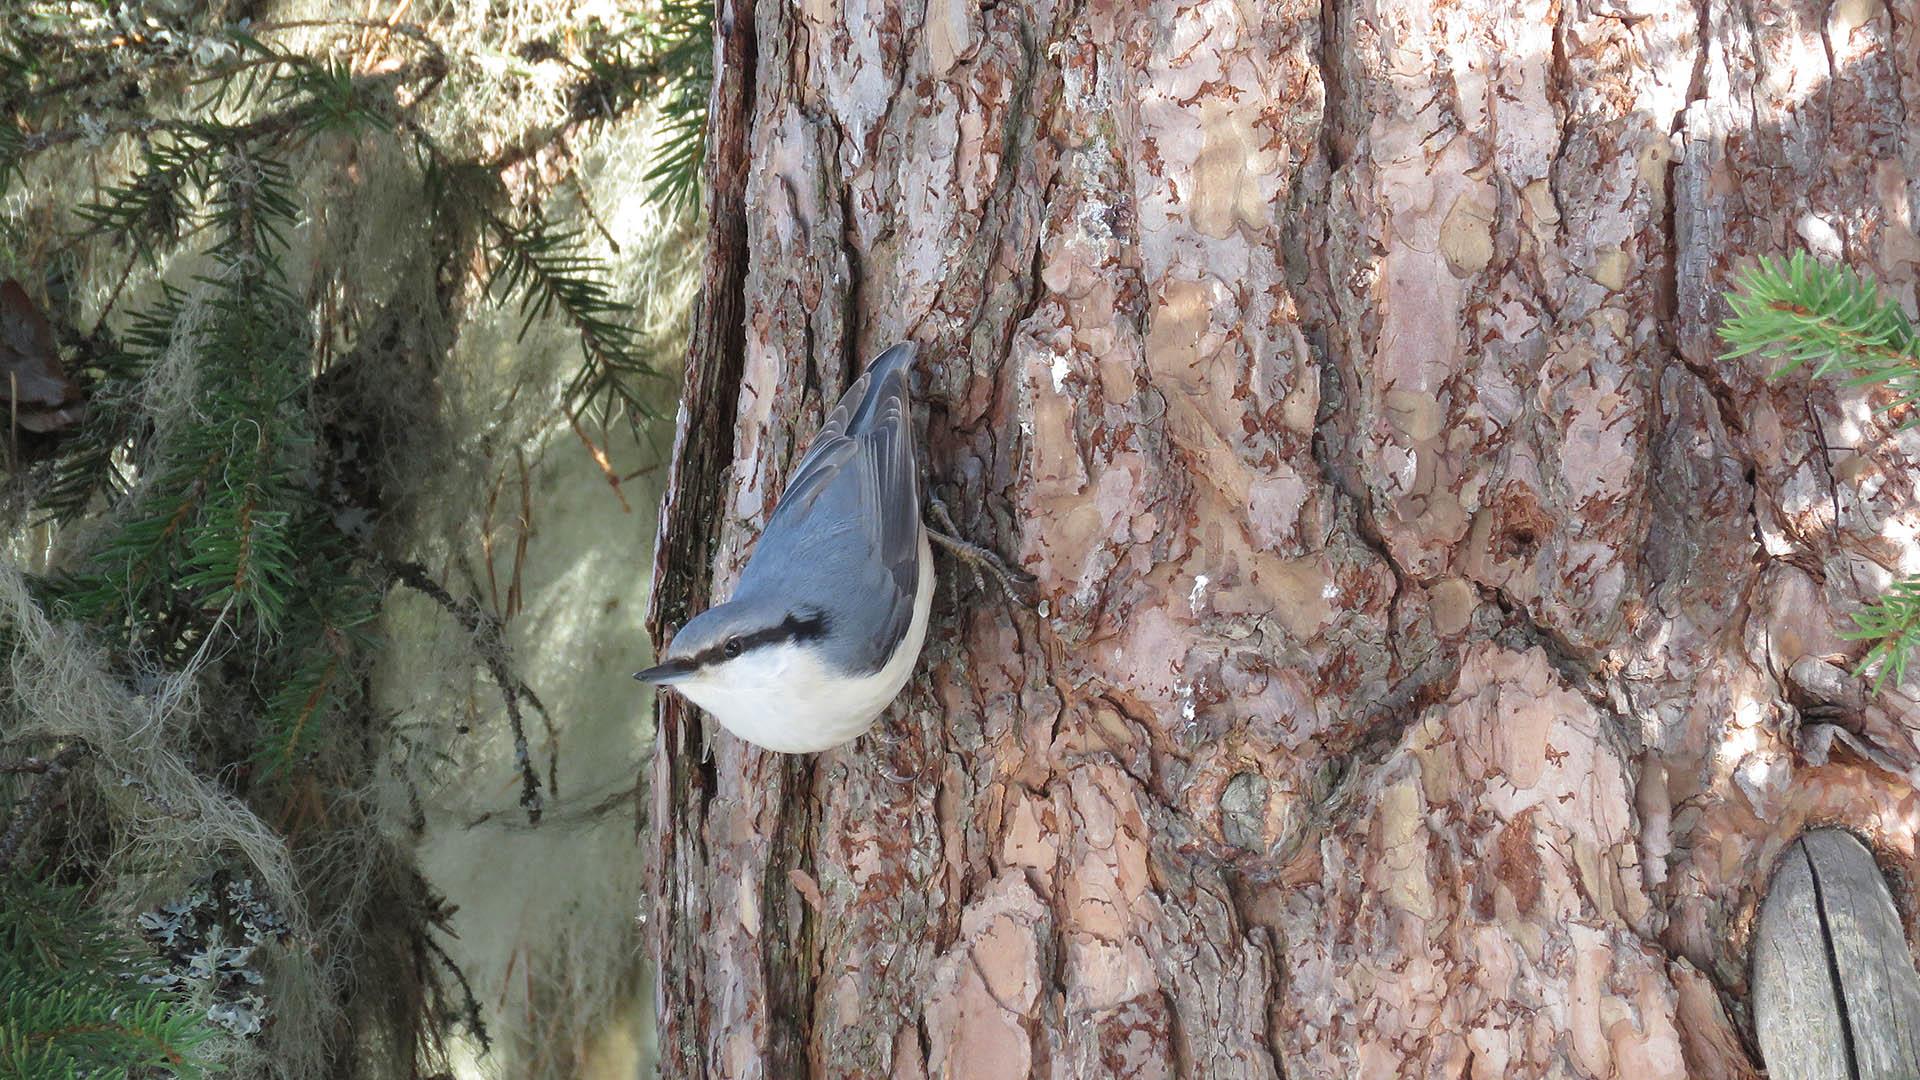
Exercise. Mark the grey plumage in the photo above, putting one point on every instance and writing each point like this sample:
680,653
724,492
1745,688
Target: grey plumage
839,559
858,479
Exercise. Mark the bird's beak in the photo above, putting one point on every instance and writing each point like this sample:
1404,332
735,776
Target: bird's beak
673,671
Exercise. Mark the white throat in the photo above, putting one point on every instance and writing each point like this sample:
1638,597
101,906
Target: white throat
783,698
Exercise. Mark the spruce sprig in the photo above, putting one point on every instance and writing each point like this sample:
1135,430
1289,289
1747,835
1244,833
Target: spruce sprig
1835,319
1892,624
330,638
150,211
111,378
552,273
678,45
214,531
71,1003
1806,313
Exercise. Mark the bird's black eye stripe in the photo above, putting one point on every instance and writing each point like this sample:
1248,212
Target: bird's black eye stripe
809,625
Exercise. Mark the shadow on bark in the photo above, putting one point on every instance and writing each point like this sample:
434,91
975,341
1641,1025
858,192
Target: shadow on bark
1410,689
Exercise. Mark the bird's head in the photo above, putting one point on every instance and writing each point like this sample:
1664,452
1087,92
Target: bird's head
734,646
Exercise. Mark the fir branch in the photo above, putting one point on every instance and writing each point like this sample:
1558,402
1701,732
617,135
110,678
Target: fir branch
291,710
1833,318
319,678
109,376
317,94
214,528
150,210
676,165
550,271
680,44
71,1003
305,96
86,1029
652,57
1892,624
1806,313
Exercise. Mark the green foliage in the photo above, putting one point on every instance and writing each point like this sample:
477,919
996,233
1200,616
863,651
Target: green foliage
681,48
1892,624
316,678
71,1000
218,492
280,98
547,269
1835,319
88,469
213,530
1831,317
664,55
149,211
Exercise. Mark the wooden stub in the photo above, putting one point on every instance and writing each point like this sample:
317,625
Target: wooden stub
1835,993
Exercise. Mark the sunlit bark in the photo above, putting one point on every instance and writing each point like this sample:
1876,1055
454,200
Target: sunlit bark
1408,692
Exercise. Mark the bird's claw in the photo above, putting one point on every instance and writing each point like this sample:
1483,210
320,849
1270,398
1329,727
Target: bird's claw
977,558
896,743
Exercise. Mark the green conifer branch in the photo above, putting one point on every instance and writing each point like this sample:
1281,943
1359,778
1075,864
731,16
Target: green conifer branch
665,56
1806,313
550,271
316,677
213,530
1835,319
1892,624
71,1003
202,443
681,46
150,211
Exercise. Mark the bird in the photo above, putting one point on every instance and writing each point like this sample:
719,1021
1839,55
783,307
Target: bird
829,615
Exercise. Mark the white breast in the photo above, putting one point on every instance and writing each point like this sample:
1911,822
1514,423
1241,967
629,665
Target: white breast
783,699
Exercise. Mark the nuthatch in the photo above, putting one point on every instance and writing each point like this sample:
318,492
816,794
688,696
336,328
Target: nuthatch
828,617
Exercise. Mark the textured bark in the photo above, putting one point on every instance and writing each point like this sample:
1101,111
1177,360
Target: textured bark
1426,613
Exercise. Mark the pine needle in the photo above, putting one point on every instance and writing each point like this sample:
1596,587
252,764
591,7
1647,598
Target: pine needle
1836,320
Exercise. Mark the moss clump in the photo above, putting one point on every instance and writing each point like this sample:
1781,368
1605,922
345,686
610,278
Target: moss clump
255,246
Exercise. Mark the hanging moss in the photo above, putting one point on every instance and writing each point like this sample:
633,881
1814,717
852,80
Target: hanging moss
256,246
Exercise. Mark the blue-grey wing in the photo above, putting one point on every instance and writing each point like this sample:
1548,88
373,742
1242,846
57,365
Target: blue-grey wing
845,537
884,380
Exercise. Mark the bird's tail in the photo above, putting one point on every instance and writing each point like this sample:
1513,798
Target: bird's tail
881,384
899,357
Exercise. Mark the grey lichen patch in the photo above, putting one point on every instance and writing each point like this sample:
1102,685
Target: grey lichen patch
208,938
1243,811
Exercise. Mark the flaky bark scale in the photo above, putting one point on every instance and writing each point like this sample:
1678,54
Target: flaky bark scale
1411,695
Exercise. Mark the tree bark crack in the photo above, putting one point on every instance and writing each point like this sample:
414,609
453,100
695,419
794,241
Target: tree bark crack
1509,414
1582,675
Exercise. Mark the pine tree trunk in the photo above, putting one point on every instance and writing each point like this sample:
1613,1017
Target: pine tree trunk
1414,681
